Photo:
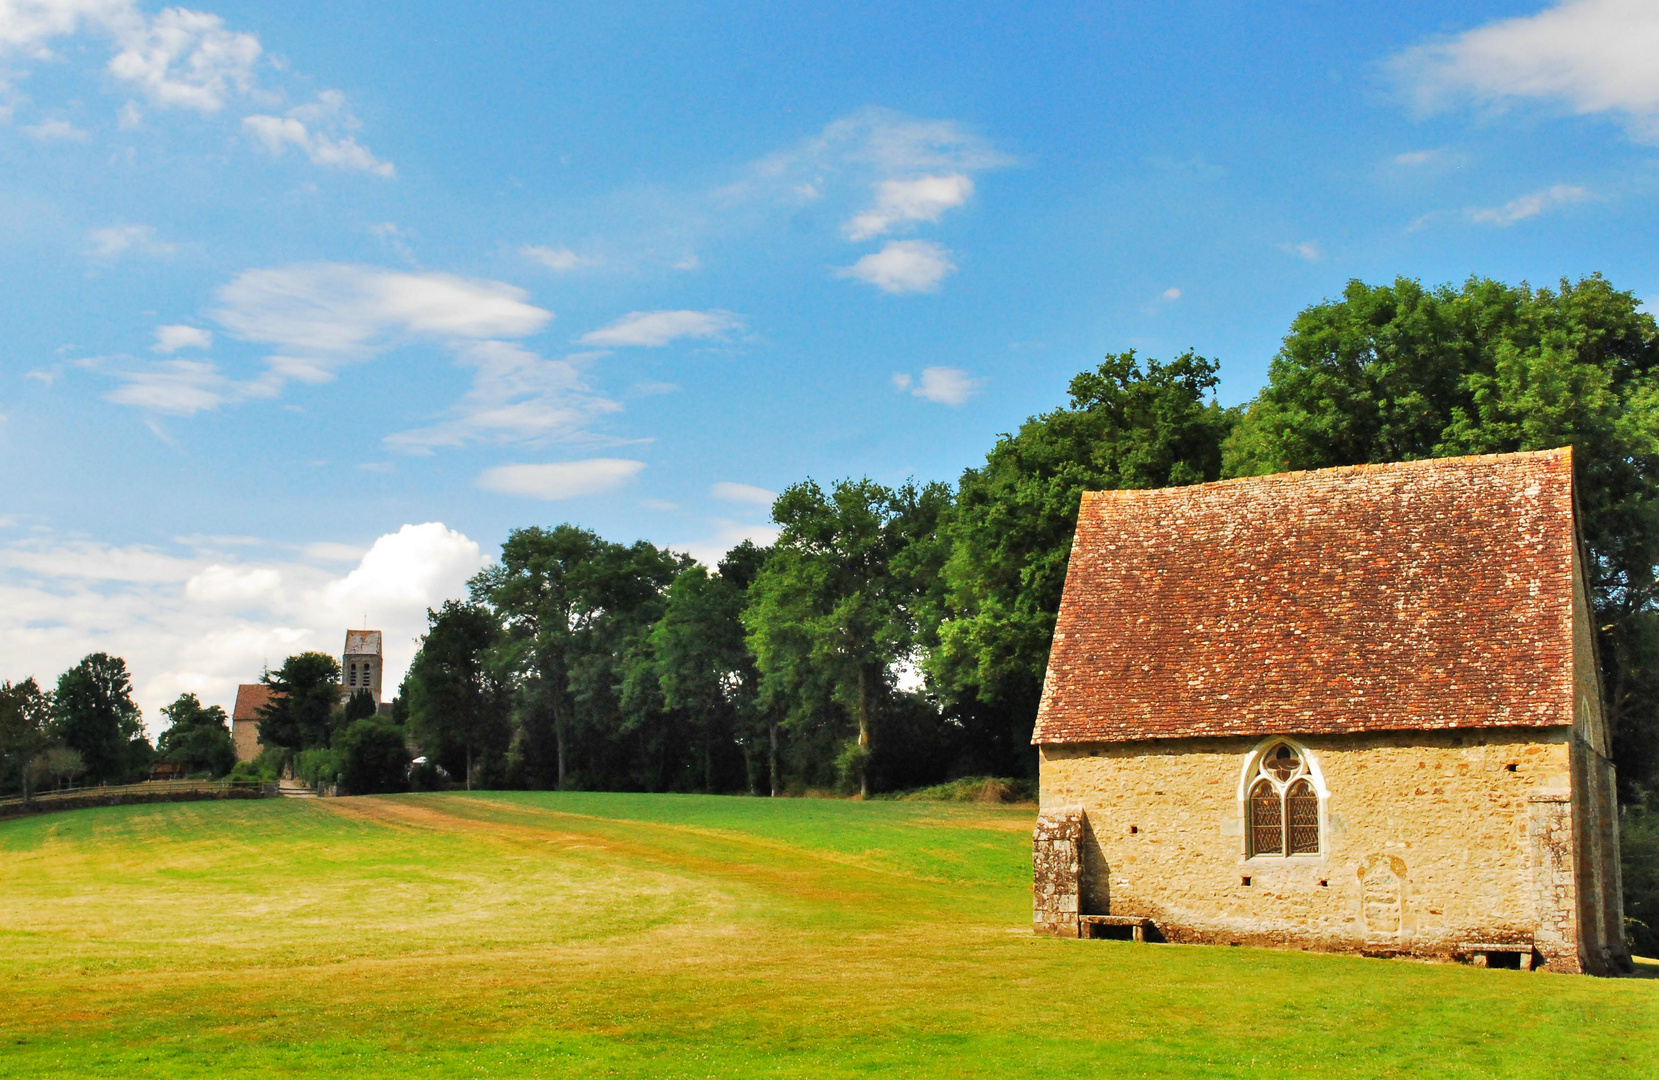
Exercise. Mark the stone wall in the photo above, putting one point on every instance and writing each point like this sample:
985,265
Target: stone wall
1430,841
244,735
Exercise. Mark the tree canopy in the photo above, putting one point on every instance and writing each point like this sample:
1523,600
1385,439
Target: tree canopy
197,737
93,714
304,702
1399,372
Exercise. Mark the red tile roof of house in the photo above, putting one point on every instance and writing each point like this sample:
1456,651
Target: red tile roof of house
250,698
1426,594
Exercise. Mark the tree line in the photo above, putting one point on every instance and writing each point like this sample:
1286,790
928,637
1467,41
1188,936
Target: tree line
898,636
86,729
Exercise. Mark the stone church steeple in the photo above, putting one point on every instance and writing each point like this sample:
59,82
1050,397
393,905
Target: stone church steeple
361,663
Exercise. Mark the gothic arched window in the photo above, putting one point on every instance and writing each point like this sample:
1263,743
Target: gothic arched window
1282,805
353,676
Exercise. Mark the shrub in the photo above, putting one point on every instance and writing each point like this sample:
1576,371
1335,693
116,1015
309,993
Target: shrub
1639,854
372,756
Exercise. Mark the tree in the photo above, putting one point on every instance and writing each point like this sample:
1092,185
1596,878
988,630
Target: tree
361,704
701,663
829,615
573,608
1398,372
197,738
24,715
302,709
457,704
1009,533
93,714
372,756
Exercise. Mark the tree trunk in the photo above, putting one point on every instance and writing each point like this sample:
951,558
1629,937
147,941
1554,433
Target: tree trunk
772,756
864,730
559,742
708,764
469,766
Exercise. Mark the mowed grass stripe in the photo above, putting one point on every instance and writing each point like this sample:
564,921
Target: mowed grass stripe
536,934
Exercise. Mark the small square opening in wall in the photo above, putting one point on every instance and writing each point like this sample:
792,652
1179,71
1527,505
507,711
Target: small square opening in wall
1133,829
1323,884
1511,767
1244,880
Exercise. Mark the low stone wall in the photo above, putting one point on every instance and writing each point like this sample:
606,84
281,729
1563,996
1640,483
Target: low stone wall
128,797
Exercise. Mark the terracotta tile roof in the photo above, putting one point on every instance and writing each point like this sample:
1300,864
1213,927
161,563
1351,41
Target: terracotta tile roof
1426,594
362,641
250,698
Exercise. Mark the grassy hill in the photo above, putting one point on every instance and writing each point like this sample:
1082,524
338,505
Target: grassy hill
532,934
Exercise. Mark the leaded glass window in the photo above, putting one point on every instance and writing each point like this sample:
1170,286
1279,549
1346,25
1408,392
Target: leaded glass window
1282,805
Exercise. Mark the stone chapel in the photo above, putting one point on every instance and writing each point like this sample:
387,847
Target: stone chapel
1352,709
361,664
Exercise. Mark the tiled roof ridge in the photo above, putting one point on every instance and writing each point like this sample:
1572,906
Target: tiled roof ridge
1463,462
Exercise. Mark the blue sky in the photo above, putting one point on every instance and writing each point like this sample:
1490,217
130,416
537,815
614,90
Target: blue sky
307,306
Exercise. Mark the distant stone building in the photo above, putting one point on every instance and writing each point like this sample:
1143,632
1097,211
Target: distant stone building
244,719
1354,709
360,668
361,663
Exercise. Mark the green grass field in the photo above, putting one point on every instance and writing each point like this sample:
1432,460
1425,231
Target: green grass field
681,936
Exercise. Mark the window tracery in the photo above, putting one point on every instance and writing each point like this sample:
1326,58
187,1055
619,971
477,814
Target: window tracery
1282,805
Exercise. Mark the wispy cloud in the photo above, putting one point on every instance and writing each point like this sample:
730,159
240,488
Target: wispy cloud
944,385
560,259
726,491
114,240
170,339
654,329
903,266
1307,250
516,396
1529,206
1593,56
308,128
55,131
561,479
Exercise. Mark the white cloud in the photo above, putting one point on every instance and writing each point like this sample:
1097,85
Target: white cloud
903,266
322,315
871,144
899,202
1170,295
657,328
186,59
561,479
1417,157
560,259
945,385
1528,206
170,339
1594,56
184,623
55,131
120,239
299,129
183,387
726,491
517,396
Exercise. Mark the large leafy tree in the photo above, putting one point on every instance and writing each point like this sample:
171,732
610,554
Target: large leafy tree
93,713
24,715
833,610
304,702
703,667
1009,534
457,702
1396,372
197,737
574,608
